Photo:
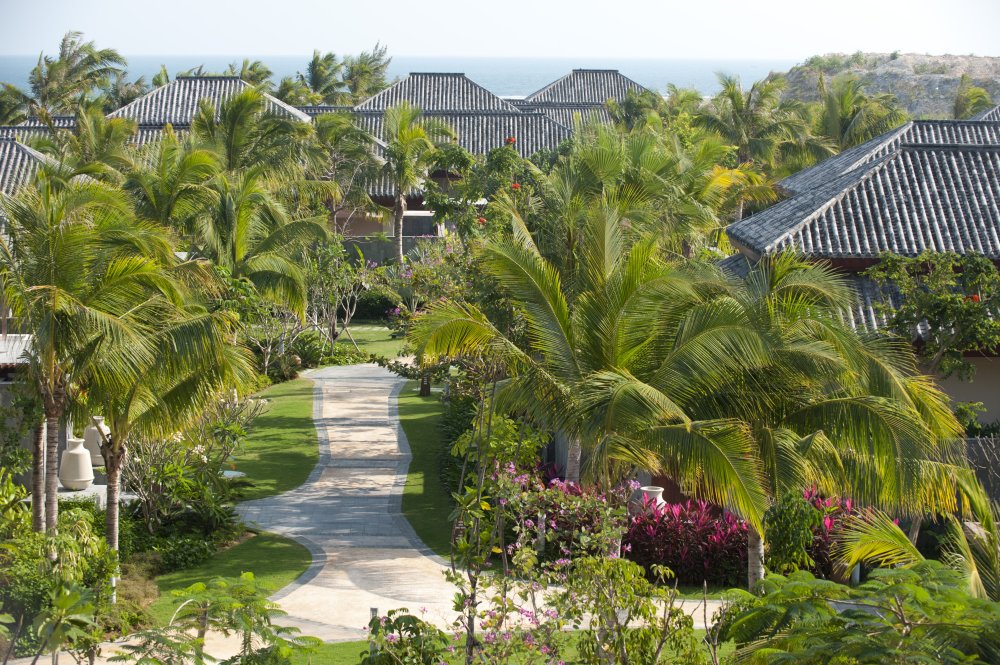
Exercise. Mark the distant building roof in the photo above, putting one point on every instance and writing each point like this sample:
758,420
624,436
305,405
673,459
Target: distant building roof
591,86
321,109
18,163
437,92
12,348
177,101
992,115
566,113
928,196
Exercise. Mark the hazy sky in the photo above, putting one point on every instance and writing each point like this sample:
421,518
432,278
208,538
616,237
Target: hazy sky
790,29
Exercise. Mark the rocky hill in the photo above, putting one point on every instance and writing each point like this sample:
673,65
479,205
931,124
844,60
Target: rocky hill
924,84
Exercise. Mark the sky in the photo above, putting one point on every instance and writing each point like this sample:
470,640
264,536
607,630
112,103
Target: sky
736,29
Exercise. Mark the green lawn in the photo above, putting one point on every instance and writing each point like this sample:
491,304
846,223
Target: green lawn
281,448
426,504
274,561
373,338
346,653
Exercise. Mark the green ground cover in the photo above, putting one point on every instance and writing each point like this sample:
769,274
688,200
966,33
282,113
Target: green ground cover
274,561
426,503
281,448
373,338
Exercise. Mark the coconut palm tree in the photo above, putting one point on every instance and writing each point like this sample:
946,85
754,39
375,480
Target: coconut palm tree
13,105
970,99
119,91
850,116
254,72
411,143
365,74
250,234
72,268
80,68
323,78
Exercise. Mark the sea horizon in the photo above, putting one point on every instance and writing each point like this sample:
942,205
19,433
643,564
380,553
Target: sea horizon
507,77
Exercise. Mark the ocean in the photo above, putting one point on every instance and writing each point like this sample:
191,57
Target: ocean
507,77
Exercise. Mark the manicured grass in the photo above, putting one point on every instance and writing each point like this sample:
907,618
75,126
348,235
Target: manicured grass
274,561
281,448
426,503
373,338
346,653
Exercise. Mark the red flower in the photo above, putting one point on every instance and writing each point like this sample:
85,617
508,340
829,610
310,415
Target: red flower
516,186
975,297
510,140
481,220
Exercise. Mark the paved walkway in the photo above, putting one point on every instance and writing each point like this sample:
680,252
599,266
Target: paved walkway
365,554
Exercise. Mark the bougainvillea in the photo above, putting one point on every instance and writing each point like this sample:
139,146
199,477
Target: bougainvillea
698,541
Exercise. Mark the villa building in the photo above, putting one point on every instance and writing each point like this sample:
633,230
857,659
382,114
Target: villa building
927,185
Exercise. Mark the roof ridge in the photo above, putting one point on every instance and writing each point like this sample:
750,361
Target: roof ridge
950,146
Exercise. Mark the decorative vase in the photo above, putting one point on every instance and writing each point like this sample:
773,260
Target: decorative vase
75,470
653,493
92,440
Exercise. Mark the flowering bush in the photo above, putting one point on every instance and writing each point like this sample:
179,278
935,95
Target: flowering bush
835,512
699,542
400,637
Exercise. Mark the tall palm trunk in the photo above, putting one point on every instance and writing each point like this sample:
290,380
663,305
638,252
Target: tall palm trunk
574,453
52,417
755,557
38,478
398,211
114,458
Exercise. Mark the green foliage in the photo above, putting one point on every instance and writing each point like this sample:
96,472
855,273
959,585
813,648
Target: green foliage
850,116
833,63
20,413
913,615
788,529
400,637
951,299
970,100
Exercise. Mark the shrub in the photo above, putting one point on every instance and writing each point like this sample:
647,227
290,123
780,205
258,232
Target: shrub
345,354
310,347
374,305
400,637
788,527
180,552
699,542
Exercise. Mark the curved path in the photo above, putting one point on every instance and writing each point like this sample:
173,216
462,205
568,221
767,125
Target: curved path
348,513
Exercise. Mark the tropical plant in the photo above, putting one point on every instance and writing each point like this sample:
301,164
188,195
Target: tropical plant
970,100
365,74
13,105
254,72
411,143
119,91
57,83
850,116
323,78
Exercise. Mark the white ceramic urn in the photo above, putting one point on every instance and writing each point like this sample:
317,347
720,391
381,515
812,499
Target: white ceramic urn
92,440
75,470
653,493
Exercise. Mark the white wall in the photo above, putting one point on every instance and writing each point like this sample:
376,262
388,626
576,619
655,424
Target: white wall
984,387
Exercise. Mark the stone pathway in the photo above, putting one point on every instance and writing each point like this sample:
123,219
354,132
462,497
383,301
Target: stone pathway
365,554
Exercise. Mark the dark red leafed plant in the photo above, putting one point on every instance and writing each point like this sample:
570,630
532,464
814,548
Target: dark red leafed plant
835,512
698,541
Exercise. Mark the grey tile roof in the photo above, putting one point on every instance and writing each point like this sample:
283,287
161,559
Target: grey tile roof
321,109
566,113
59,121
939,197
480,132
18,164
934,132
12,348
437,92
177,101
991,115
593,86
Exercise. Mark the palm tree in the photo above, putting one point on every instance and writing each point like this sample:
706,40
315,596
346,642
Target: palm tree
80,68
97,147
323,78
119,91
13,105
849,116
250,234
255,73
72,269
970,99
365,74
293,91
411,143
759,125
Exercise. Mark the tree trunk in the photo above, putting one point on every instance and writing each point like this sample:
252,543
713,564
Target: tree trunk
574,453
398,211
51,470
425,385
113,459
755,557
38,478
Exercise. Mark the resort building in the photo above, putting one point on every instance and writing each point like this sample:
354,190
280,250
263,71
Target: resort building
930,185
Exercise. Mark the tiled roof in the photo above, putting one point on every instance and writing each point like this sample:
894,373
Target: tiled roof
313,111
939,197
58,121
593,86
971,132
566,113
177,101
992,115
481,132
437,92
18,163
12,348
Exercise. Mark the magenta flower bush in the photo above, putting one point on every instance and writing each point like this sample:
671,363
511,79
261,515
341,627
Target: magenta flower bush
698,541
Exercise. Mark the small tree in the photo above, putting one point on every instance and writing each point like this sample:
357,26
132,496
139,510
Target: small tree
947,302
970,99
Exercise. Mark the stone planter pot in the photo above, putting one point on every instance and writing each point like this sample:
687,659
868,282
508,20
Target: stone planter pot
92,440
653,493
75,469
